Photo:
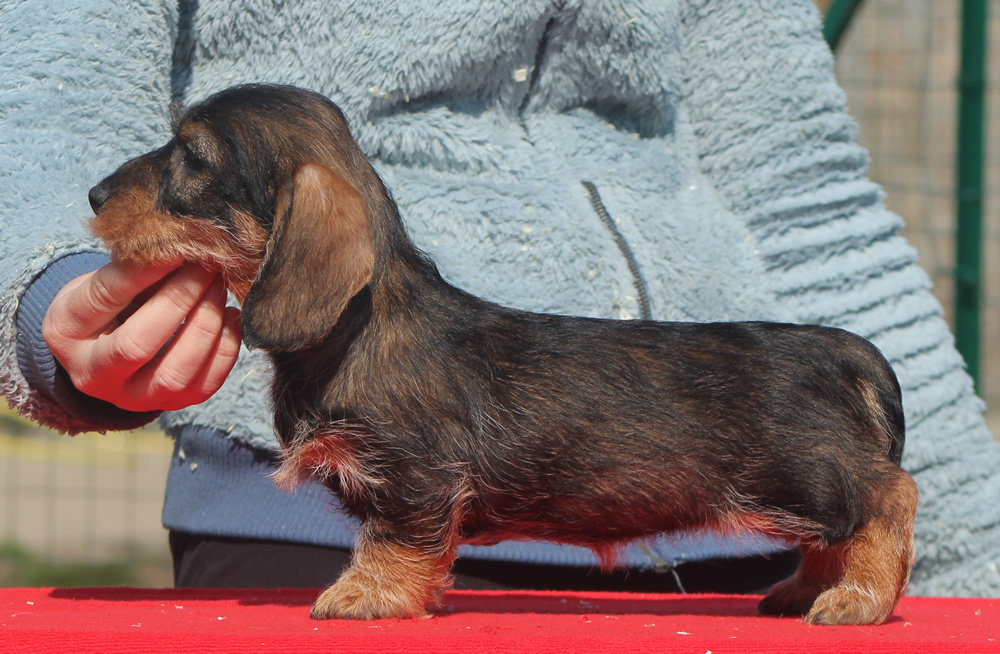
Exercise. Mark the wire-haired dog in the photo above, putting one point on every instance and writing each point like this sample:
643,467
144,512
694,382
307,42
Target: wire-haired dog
439,418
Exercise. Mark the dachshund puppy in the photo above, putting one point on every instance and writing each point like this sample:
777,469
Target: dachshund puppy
439,418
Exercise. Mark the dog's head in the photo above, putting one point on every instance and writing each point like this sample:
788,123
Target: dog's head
264,184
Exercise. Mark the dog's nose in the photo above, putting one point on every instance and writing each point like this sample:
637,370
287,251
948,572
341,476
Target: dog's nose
99,195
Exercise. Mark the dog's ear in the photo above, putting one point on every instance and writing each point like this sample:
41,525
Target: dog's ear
320,255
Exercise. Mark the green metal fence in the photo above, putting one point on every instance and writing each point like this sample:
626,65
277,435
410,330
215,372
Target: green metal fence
918,79
969,190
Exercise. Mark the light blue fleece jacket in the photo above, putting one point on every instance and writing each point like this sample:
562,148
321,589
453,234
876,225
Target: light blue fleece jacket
712,130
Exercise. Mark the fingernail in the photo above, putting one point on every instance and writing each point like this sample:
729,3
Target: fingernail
217,290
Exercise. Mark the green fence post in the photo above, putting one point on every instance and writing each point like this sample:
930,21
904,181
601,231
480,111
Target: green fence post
969,183
838,19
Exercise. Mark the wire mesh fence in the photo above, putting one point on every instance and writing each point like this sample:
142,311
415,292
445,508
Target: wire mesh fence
899,65
82,510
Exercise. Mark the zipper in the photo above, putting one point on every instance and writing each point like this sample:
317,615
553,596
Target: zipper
640,285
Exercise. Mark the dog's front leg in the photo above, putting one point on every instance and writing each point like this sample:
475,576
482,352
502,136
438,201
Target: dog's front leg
387,578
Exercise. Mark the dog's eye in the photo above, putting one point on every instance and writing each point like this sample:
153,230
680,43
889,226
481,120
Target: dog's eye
192,162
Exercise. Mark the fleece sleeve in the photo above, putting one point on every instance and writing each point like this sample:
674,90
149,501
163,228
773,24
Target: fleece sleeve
777,142
86,86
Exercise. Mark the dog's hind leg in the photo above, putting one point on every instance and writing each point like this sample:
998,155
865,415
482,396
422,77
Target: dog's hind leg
860,580
878,559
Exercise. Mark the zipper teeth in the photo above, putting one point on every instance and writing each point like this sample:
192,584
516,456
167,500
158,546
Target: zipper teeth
633,265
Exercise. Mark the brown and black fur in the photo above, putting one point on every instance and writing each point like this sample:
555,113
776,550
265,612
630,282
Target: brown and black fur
439,418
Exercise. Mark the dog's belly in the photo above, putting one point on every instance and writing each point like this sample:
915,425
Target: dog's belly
583,533
594,519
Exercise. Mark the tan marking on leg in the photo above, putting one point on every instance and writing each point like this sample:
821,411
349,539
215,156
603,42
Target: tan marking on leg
861,580
386,580
877,564
820,569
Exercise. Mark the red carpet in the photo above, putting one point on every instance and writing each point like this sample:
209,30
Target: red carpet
136,620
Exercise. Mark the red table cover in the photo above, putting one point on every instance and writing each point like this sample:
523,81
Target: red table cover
178,620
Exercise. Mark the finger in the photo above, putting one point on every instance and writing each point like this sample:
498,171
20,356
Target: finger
95,300
226,353
140,338
174,371
217,369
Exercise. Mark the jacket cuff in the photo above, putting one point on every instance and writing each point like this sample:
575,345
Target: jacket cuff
40,368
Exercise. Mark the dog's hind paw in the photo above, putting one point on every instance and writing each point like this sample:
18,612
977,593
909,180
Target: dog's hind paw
789,598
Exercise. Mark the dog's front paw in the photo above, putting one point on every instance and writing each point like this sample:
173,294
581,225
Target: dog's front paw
357,597
844,605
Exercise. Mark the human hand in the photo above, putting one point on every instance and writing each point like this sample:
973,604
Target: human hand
145,339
